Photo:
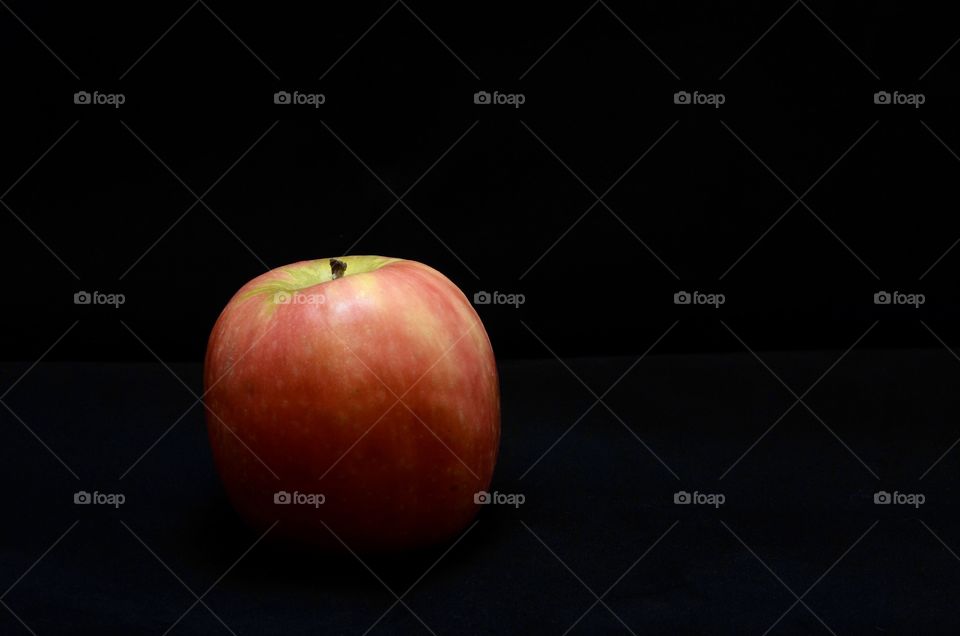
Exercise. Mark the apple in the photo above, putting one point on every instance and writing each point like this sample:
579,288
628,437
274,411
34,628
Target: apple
353,400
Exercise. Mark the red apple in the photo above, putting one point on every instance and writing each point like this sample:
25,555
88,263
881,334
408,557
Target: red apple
353,399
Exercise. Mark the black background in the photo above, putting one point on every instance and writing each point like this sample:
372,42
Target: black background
497,199
502,199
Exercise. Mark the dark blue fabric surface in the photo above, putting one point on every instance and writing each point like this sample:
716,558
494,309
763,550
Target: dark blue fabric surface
799,505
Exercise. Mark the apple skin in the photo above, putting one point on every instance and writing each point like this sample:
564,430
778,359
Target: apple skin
302,397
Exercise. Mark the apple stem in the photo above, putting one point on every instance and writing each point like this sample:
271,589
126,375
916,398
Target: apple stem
338,268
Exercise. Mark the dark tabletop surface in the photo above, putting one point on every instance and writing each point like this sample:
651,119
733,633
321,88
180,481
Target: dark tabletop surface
797,545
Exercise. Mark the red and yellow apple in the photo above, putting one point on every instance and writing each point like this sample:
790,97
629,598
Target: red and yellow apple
353,399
